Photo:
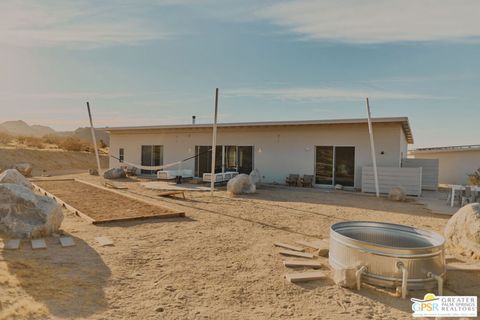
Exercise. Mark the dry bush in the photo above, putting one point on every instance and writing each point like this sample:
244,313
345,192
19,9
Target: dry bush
34,142
75,144
52,139
5,138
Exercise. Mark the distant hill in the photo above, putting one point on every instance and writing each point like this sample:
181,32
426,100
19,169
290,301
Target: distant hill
21,128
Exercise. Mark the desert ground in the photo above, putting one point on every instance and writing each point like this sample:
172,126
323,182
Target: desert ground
218,262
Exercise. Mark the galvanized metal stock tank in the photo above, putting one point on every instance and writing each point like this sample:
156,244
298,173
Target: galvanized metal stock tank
381,246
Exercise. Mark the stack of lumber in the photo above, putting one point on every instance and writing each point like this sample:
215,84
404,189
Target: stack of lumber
306,259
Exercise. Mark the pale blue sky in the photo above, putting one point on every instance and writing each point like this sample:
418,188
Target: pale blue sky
149,62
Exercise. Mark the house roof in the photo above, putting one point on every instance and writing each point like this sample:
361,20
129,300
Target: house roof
470,147
401,120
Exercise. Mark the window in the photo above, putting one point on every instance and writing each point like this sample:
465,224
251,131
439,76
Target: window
121,154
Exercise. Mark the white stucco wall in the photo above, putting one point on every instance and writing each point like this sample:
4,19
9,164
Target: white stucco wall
278,151
454,166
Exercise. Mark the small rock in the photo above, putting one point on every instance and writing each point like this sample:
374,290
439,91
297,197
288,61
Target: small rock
397,194
160,309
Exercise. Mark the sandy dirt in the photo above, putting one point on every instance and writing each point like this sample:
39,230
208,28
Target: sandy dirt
54,162
102,204
217,263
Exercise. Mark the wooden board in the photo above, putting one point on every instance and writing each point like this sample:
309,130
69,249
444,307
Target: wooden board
305,276
171,193
317,244
299,264
458,266
296,254
288,246
115,185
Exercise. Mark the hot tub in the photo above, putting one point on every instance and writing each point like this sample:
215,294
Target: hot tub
388,255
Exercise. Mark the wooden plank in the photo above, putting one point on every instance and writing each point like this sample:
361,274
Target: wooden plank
317,244
171,193
50,180
298,263
114,185
296,254
458,266
162,216
304,276
288,246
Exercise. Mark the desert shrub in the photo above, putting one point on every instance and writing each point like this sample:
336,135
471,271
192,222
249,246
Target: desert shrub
21,139
75,144
5,138
52,139
474,178
34,142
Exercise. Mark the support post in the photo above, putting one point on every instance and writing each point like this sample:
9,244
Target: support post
94,138
372,147
214,145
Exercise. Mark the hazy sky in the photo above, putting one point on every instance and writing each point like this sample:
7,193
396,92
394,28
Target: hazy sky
158,61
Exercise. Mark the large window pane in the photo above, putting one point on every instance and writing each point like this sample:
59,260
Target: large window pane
345,166
245,159
324,165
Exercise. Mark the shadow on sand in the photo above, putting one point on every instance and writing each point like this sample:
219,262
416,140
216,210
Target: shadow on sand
68,281
349,199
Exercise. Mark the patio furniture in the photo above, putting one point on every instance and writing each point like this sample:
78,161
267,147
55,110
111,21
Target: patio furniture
307,181
467,196
292,179
454,195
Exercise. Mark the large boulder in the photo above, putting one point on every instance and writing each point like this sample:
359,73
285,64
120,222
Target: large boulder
397,194
244,183
115,173
15,177
24,168
462,231
25,214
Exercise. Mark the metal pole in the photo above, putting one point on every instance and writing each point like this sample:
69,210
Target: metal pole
94,138
372,145
214,145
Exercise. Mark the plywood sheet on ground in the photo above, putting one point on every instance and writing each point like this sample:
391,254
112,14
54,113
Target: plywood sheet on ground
103,205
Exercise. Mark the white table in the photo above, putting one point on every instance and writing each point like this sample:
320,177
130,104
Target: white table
456,187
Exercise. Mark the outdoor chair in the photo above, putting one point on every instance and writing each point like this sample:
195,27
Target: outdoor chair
467,196
307,181
292,180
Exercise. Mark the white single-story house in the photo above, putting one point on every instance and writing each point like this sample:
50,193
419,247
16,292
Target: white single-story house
334,151
455,162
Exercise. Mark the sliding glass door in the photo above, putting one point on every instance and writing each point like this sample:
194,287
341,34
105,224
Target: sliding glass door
245,159
151,156
203,162
324,165
335,165
345,166
228,158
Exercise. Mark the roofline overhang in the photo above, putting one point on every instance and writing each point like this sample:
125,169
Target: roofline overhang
401,120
